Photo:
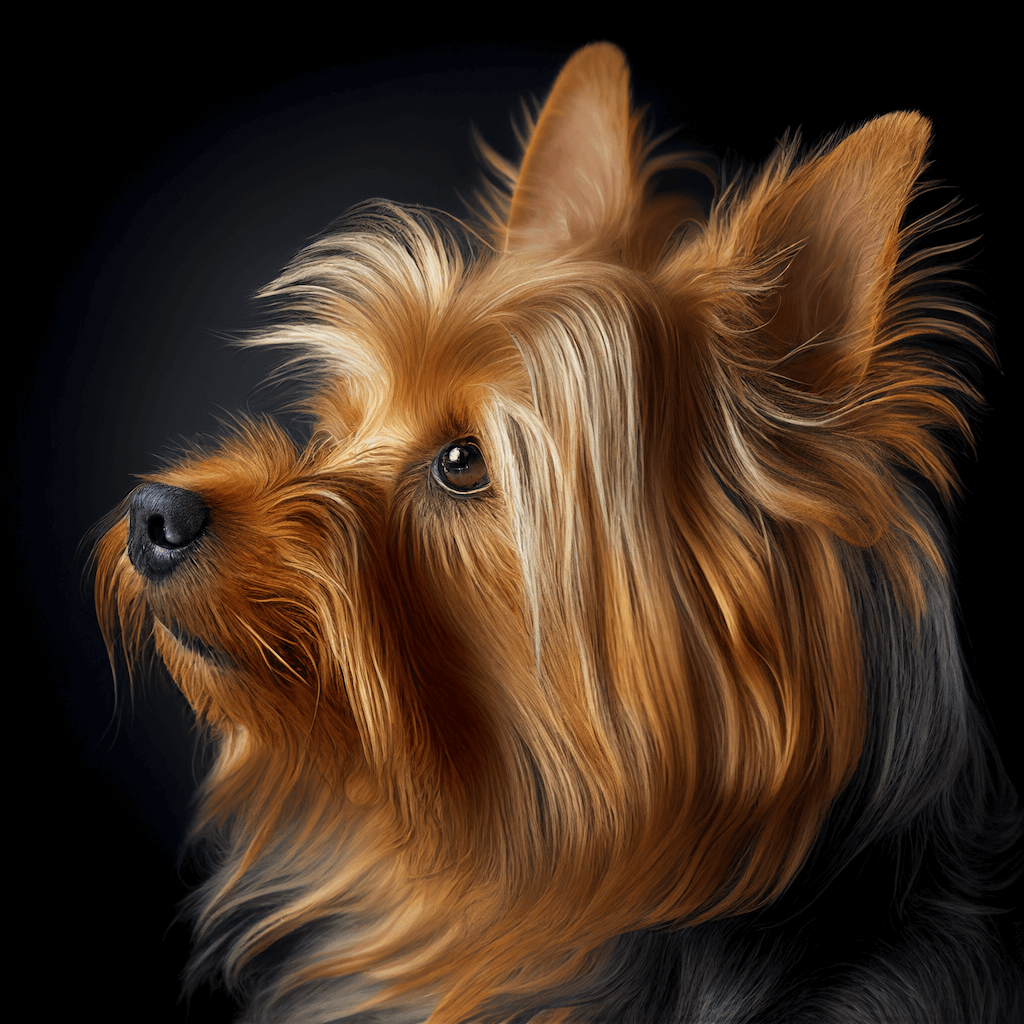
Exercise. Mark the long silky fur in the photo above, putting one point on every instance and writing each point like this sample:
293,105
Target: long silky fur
669,725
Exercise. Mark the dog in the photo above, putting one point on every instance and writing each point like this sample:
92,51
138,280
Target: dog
594,659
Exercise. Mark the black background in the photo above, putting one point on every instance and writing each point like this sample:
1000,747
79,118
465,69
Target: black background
166,180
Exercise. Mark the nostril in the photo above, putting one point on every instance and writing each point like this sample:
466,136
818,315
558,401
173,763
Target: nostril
156,530
172,534
165,524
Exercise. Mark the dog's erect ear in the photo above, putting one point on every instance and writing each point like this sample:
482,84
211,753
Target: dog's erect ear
840,214
577,178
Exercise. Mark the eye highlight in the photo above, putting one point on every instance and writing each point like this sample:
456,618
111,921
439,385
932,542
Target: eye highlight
460,467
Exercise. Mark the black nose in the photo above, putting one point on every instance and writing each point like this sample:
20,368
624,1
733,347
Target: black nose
165,526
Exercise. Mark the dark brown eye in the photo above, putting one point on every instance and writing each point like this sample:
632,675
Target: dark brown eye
460,467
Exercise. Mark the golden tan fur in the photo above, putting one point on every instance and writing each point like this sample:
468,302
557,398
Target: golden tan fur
465,743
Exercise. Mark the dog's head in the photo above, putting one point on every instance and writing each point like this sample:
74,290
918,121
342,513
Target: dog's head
549,630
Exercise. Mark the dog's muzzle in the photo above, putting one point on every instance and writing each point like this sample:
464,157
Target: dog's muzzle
166,525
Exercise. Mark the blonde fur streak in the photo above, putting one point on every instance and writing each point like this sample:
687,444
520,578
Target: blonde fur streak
467,744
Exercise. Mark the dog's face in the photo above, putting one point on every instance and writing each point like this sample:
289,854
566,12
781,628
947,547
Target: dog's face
299,592
554,603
